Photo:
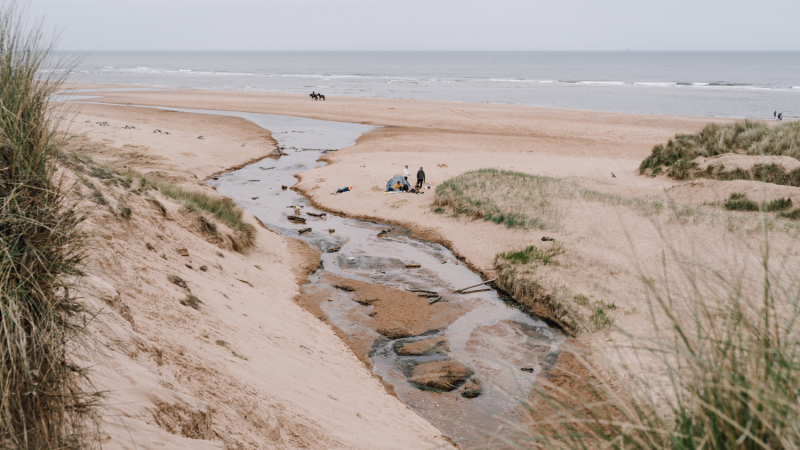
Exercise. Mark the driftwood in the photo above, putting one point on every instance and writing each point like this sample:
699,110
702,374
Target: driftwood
304,230
413,266
421,290
475,292
296,219
315,214
461,291
436,299
334,249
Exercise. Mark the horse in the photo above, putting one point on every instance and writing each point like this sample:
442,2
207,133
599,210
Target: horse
321,97
313,96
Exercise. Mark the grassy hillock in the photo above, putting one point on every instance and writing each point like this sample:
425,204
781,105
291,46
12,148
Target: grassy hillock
745,138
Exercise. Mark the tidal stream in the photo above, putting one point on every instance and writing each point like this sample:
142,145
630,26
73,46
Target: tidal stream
487,334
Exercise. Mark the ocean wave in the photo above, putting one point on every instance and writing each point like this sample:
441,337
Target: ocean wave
655,84
604,83
517,80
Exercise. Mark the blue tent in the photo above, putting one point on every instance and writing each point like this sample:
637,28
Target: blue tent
398,179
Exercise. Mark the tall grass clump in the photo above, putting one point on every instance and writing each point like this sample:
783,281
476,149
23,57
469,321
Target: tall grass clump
41,402
723,372
223,209
746,138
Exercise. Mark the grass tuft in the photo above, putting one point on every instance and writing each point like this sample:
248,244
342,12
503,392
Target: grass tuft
191,301
740,202
223,209
535,255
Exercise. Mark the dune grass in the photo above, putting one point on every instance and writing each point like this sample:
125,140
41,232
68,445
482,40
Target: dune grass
729,373
514,199
521,200
746,138
740,202
42,404
222,208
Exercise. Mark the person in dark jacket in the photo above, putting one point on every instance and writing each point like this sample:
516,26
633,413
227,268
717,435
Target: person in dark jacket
420,178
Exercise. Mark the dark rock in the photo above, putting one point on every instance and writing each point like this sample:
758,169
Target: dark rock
182,251
424,347
304,230
472,388
526,369
296,219
334,249
395,332
441,375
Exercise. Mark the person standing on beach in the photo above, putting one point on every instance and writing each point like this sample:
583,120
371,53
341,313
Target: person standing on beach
780,117
774,116
405,173
420,178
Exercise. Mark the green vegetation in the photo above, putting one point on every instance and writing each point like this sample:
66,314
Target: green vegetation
768,173
222,208
793,214
740,202
746,138
533,255
42,402
599,318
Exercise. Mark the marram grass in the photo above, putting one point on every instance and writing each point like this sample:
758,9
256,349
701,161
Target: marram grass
42,405
728,359
745,138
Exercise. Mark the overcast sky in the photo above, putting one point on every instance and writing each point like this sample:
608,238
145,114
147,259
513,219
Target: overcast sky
423,24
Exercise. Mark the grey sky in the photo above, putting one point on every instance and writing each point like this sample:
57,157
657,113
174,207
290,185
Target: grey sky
423,24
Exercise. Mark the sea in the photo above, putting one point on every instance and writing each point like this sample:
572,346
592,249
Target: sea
751,85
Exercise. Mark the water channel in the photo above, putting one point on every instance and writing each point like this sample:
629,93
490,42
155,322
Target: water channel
487,334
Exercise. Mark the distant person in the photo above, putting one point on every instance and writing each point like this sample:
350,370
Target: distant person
780,117
405,173
420,179
775,115
344,189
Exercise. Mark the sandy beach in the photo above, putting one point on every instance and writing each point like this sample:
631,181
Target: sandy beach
303,376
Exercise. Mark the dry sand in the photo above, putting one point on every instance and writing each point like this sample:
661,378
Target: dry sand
610,243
